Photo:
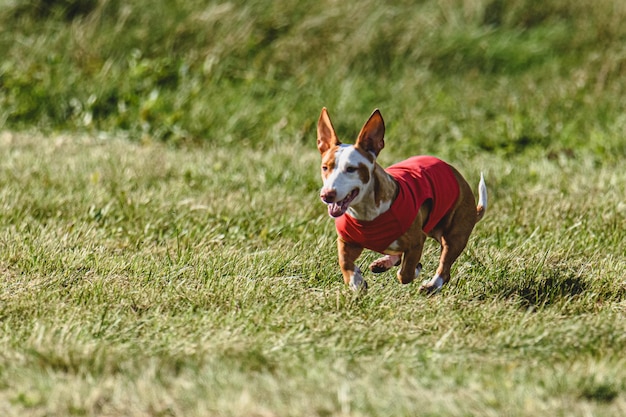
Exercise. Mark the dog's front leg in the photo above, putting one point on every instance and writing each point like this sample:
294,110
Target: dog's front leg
348,254
410,266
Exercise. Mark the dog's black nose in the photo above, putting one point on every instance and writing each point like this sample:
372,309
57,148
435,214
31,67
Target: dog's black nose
328,196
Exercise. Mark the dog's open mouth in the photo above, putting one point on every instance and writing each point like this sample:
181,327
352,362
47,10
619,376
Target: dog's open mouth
337,208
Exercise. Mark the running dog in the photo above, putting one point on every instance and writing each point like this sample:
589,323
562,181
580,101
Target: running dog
393,210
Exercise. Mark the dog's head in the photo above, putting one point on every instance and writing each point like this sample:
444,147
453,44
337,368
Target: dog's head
347,169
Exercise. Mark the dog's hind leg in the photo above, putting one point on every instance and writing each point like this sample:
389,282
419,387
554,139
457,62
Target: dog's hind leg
385,263
452,246
453,232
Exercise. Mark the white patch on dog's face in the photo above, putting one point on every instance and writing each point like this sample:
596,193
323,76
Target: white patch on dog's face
346,173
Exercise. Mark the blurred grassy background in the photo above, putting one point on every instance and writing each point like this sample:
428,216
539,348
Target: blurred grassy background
455,76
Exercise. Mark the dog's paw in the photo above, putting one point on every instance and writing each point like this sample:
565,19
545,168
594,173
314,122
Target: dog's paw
361,289
432,286
357,283
408,278
384,263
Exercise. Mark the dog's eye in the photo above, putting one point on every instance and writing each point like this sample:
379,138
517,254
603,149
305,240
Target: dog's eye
351,169
324,168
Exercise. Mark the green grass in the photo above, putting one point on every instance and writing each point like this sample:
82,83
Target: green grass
164,252
483,75
151,280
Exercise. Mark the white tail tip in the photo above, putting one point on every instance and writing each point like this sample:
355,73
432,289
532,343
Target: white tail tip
482,194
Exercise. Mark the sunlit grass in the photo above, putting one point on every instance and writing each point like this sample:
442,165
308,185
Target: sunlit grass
144,279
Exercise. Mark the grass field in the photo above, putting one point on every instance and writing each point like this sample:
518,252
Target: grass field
163,249
149,280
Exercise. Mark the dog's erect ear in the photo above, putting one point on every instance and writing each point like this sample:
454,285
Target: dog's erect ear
326,136
371,138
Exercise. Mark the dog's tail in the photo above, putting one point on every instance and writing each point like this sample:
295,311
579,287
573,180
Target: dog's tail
481,208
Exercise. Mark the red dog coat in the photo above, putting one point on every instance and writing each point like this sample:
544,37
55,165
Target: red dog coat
419,178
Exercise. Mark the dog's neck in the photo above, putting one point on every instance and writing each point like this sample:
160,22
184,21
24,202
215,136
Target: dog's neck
378,196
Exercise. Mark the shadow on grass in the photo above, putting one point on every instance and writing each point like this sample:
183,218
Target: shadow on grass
546,291
553,285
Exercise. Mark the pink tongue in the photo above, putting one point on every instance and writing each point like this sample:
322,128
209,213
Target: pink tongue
338,208
335,210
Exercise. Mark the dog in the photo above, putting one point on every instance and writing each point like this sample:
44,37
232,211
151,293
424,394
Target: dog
393,210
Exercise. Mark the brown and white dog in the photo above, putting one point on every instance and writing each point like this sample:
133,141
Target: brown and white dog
393,211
